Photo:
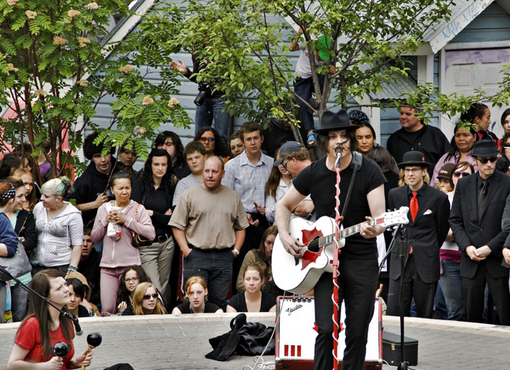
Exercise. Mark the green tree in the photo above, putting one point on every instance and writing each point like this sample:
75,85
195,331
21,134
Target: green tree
245,43
55,72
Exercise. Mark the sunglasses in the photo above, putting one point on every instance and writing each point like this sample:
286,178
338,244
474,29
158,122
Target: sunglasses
459,173
485,160
507,145
284,164
207,139
149,296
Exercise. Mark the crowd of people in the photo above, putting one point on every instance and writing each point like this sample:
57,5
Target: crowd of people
193,231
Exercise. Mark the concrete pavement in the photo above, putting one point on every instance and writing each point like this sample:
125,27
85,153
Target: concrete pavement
181,342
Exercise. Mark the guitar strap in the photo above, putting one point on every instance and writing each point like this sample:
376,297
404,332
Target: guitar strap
357,160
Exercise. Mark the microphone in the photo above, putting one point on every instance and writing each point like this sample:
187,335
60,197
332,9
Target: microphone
338,150
77,327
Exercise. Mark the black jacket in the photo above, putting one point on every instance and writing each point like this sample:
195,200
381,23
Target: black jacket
88,186
426,234
468,230
25,228
429,140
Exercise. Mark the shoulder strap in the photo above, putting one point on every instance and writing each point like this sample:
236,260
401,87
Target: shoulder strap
357,160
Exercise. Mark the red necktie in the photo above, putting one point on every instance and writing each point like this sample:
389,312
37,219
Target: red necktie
413,205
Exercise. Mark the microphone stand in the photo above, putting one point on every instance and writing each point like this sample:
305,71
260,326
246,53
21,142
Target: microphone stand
336,252
404,365
66,314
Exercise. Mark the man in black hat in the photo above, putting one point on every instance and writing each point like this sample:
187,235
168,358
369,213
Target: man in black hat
422,238
358,259
476,216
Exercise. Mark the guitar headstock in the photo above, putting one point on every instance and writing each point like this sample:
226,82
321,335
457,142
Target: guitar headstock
397,217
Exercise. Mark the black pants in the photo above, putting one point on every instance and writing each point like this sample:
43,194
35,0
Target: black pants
474,290
414,287
358,282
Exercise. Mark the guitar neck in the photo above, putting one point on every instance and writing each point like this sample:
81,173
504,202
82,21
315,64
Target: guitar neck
344,233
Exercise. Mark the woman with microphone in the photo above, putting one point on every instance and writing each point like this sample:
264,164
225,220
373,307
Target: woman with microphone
45,326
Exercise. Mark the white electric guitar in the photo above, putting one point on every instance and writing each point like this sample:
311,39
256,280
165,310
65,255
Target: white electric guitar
299,275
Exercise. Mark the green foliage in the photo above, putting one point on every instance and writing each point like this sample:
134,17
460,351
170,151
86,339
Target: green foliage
55,75
245,43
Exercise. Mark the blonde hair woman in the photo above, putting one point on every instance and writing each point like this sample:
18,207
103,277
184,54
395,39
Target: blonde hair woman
146,301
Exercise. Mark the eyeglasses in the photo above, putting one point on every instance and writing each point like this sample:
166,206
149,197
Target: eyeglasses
412,169
149,296
206,139
463,174
485,160
129,280
507,145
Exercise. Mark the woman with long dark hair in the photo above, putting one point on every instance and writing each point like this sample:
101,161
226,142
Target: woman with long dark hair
212,142
45,326
171,142
155,190
261,255
464,137
277,185
129,280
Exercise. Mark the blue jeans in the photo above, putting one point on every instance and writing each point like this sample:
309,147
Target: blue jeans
303,87
19,299
440,304
213,109
215,266
451,283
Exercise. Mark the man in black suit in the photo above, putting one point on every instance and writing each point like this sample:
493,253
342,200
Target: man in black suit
422,238
475,219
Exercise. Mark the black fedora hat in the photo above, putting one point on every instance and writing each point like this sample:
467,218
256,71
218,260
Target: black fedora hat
413,158
331,121
484,148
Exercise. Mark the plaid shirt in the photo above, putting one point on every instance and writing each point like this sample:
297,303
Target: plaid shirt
248,180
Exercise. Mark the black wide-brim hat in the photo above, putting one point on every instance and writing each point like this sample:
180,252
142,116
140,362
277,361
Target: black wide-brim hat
484,148
331,121
413,158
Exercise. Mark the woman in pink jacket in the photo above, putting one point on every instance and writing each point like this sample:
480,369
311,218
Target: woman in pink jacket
114,224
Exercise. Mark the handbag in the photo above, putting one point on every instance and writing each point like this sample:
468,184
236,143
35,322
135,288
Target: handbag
16,265
136,239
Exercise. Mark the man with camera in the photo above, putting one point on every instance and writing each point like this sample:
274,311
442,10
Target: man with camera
210,104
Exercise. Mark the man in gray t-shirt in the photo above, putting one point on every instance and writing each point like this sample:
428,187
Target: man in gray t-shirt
208,225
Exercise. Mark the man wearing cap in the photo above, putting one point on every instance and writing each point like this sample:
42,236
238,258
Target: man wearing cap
476,220
422,238
294,158
414,135
444,178
358,259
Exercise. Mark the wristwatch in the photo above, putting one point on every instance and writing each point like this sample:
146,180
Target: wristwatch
236,252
